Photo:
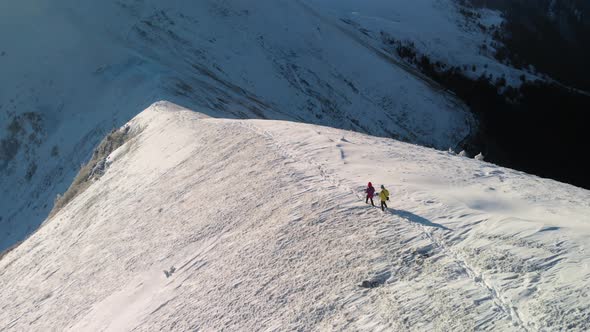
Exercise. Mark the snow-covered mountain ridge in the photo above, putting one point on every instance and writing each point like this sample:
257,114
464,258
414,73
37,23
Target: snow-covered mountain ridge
210,224
73,70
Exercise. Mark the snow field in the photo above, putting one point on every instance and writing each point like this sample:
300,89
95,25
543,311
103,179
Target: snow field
264,226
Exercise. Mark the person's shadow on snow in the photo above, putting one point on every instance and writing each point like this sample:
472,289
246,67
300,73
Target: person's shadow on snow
409,216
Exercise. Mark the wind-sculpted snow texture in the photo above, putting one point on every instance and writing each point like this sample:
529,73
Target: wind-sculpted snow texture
211,224
73,70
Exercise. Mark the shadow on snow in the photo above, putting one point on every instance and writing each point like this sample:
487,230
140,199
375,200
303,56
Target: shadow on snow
411,217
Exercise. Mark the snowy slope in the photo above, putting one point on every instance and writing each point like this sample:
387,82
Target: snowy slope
265,226
437,28
73,70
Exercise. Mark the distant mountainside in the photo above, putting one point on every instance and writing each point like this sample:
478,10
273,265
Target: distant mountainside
544,130
551,35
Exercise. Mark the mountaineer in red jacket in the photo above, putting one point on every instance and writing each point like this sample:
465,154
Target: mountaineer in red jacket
370,192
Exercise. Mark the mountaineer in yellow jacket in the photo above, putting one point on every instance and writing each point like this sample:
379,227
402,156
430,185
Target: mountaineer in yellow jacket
384,195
